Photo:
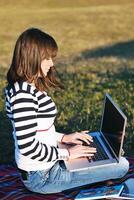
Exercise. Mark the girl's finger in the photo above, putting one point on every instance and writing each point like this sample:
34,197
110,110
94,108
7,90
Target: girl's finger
86,137
78,142
87,155
89,150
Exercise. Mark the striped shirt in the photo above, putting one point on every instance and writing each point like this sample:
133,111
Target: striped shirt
32,114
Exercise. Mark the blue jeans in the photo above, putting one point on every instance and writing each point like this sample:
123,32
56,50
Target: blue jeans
58,178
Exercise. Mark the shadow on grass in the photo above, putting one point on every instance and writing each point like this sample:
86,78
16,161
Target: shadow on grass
119,85
121,50
6,140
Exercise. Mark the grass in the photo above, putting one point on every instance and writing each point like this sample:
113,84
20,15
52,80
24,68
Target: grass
96,55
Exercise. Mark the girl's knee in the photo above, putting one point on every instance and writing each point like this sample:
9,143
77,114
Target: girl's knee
124,165
124,162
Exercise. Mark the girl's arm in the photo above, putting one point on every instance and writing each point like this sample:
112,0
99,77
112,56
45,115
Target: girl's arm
25,126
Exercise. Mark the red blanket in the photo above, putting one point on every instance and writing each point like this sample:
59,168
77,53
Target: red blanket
11,187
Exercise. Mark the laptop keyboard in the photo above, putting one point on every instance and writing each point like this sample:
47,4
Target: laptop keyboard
100,154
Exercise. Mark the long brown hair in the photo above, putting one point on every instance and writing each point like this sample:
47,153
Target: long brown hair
32,46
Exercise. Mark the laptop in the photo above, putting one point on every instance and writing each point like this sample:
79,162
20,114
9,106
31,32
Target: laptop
108,141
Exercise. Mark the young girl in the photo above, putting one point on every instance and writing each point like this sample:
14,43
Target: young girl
32,113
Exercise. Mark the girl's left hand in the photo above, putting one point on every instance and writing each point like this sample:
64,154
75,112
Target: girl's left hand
77,138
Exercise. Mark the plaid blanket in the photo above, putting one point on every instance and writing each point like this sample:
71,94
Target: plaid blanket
11,187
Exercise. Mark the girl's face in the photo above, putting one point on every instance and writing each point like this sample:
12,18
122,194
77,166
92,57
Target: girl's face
46,64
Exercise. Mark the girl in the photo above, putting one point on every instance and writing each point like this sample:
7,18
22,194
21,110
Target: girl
32,113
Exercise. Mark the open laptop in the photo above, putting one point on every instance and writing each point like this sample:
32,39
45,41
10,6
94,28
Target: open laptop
108,141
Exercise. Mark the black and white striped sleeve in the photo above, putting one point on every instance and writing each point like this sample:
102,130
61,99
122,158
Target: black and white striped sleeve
24,107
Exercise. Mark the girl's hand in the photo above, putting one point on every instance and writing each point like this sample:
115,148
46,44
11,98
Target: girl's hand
77,138
78,151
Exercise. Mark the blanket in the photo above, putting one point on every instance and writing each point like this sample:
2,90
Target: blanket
11,187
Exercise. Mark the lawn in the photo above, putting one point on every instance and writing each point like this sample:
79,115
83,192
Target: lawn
96,55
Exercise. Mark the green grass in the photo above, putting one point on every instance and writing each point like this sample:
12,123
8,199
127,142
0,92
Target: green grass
96,55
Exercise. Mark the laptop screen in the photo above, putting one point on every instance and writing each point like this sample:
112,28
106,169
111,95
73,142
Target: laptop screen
113,125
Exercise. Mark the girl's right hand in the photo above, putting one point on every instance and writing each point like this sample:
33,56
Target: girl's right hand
78,151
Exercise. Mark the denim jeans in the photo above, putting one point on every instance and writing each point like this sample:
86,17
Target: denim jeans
58,178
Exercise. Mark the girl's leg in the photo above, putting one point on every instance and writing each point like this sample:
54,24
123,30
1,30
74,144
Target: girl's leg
59,179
